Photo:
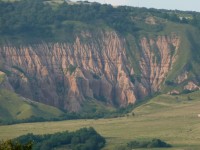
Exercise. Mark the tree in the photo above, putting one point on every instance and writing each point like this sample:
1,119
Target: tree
174,17
189,99
184,20
10,145
165,15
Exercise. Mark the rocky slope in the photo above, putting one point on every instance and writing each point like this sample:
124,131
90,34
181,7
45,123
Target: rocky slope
65,74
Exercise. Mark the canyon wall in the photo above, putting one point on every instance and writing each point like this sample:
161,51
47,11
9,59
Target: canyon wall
66,74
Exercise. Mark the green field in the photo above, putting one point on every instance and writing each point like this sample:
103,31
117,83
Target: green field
172,119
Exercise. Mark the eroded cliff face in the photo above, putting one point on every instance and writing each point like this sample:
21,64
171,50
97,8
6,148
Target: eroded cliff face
64,75
157,60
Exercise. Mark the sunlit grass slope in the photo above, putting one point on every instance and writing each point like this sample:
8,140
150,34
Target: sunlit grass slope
171,106
12,107
173,119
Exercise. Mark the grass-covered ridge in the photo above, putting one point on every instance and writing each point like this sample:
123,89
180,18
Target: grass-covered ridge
12,107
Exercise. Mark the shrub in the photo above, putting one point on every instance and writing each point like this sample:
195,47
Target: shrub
169,83
10,145
71,69
155,143
95,76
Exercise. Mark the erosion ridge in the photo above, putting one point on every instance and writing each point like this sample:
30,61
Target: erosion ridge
65,74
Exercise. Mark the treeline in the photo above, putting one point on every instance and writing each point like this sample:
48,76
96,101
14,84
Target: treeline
35,16
83,139
25,16
194,20
92,114
155,143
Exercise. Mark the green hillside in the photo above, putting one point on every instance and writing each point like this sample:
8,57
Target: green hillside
173,119
12,107
171,106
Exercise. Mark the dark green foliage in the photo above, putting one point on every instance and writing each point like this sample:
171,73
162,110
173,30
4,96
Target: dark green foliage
101,98
95,76
165,15
194,21
37,19
25,16
173,17
156,52
169,83
7,72
19,69
184,20
138,78
186,91
10,145
33,17
132,77
83,139
155,143
71,68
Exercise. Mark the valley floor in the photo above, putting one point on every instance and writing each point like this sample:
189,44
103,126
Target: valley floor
173,121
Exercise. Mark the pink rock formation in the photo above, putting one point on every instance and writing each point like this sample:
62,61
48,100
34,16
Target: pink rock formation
191,86
98,68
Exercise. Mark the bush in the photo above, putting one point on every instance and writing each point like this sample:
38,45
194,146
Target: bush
95,76
71,68
186,91
169,83
10,145
155,143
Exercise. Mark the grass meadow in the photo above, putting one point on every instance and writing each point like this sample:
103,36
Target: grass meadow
173,119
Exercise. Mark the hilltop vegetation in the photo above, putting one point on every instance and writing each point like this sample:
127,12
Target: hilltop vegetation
38,18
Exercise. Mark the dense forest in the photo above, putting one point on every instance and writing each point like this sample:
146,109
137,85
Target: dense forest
35,17
82,139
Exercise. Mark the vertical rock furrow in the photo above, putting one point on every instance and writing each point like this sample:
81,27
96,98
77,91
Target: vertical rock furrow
64,75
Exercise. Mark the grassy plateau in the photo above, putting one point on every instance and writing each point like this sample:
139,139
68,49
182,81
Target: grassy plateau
171,118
